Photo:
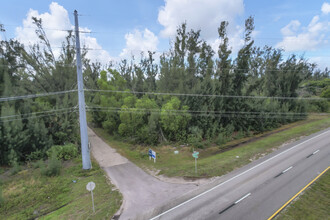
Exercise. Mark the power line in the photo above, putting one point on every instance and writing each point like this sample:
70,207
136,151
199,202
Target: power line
12,98
181,68
5,99
204,95
47,28
205,115
192,111
42,112
40,116
129,31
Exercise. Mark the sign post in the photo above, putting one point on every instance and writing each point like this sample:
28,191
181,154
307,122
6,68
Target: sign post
195,155
90,187
152,154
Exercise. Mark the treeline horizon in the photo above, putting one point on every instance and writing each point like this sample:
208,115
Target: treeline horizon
119,98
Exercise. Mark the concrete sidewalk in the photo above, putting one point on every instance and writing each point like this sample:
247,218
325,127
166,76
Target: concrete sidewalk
142,192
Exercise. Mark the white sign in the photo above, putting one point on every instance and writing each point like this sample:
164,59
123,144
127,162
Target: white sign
152,154
90,186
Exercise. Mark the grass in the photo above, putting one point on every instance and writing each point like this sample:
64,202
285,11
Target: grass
29,195
211,161
312,204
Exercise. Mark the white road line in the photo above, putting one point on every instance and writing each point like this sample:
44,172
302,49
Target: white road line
252,168
287,169
244,197
315,152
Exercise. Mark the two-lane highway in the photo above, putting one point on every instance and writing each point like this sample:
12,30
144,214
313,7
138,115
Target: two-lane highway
257,190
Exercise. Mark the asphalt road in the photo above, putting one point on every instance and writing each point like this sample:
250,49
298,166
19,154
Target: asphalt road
259,189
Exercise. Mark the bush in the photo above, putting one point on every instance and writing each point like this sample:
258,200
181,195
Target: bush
2,200
53,168
38,164
65,152
36,155
199,145
221,139
15,169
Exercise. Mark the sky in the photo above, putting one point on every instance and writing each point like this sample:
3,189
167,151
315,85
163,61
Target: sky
124,28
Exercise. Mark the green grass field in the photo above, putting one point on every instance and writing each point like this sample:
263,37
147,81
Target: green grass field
29,195
211,161
314,203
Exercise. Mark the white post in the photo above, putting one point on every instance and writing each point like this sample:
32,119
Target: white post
155,158
86,161
195,165
93,201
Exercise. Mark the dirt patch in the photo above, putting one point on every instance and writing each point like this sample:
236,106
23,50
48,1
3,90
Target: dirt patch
178,180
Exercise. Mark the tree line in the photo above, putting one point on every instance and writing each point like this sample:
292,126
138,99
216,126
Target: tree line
191,94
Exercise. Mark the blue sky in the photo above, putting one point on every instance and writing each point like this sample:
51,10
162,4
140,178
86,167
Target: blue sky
124,28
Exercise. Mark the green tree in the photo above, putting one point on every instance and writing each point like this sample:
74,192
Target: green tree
174,119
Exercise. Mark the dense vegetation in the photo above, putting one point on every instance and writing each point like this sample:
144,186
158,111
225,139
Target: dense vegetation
132,100
225,91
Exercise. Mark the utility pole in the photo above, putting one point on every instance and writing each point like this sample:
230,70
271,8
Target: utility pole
86,161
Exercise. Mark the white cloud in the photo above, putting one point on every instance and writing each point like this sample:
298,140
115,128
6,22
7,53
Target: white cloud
322,62
325,8
291,28
58,19
199,14
310,37
204,15
139,41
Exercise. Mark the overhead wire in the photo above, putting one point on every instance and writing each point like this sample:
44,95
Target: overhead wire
185,68
201,114
128,31
12,98
73,110
205,95
36,113
191,111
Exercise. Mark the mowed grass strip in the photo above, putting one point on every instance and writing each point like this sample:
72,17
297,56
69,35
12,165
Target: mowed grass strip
211,161
313,203
29,195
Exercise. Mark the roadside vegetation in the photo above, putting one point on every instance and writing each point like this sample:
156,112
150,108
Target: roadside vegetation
193,98
194,94
312,204
56,189
214,160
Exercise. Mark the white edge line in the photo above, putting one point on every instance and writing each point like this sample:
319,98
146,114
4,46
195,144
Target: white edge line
315,152
252,168
287,169
244,197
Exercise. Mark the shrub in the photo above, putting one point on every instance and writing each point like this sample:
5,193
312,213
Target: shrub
199,145
221,139
109,125
36,155
2,200
38,164
239,135
53,168
15,169
65,152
